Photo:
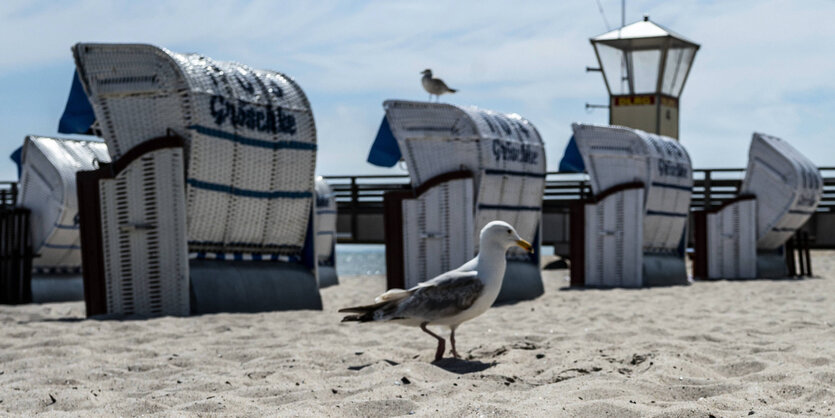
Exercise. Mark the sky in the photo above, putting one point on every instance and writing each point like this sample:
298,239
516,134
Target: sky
764,66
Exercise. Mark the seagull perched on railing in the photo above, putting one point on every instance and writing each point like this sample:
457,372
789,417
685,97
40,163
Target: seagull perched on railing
434,86
453,297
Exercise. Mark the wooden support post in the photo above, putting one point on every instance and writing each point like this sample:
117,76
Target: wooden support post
354,204
807,253
707,202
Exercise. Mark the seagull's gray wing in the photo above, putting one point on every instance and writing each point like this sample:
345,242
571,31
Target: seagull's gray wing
443,296
442,85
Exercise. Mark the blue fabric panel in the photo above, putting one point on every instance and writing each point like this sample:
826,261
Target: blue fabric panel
78,115
16,156
572,161
384,152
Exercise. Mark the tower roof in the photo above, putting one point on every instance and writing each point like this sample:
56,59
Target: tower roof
643,29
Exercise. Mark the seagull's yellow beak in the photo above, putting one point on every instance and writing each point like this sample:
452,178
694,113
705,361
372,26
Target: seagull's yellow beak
526,245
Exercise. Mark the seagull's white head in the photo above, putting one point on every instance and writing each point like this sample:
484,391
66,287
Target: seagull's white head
504,234
427,72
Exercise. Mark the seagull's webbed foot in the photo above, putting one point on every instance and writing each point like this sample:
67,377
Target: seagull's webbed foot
439,352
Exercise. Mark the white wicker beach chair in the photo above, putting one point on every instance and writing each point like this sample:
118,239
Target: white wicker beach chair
743,238
326,233
47,188
618,156
506,157
250,136
788,187
249,157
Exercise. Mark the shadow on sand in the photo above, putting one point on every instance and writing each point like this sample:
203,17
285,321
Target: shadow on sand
459,366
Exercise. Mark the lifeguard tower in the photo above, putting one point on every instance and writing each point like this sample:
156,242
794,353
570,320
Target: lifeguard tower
644,66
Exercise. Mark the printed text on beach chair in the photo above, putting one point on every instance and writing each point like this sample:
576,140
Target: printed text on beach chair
614,156
781,190
326,233
47,189
504,154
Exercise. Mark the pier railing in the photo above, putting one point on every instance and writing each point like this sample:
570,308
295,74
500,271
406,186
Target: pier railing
360,203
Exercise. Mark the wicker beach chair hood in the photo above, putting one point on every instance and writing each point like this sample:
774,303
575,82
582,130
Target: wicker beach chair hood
47,185
788,187
250,139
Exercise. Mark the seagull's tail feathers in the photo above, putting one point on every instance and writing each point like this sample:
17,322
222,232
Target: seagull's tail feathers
365,313
383,310
451,90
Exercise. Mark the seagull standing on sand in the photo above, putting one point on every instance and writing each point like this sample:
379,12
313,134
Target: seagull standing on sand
453,297
434,86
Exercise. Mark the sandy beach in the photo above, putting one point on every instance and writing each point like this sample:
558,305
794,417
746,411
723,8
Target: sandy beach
725,348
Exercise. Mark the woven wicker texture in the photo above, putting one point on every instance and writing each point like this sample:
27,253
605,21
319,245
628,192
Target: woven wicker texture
788,187
731,241
438,230
251,139
613,245
47,184
616,155
504,152
325,222
144,237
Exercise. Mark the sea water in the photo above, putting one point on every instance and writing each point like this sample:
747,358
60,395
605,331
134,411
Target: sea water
368,259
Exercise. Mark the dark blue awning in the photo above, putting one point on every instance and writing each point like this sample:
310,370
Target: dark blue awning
78,115
16,156
385,152
572,161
